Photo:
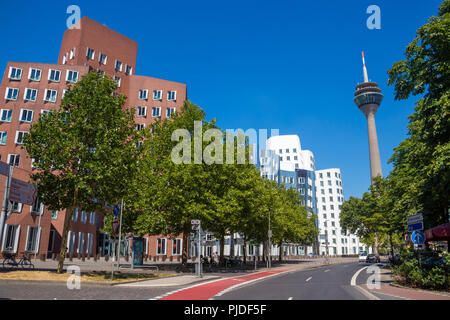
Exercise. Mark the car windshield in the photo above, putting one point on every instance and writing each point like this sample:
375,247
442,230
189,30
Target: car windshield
363,254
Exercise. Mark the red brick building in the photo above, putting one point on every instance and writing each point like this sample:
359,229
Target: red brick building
30,89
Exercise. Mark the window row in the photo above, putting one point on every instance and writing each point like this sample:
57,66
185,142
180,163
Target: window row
26,115
294,150
157,95
31,94
11,239
83,216
161,246
84,243
288,158
103,59
156,112
35,74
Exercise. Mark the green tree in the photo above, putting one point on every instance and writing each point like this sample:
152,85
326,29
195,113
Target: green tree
420,177
85,152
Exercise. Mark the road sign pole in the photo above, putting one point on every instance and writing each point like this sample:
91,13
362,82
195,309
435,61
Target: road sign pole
199,253
5,203
39,233
120,234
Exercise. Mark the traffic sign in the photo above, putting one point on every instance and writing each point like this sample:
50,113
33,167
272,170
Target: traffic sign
115,225
418,237
414,219
416,226
195,221
4,168
116,210
195,227
22,192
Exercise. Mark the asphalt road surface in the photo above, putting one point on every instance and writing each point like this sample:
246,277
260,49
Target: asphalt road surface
331,282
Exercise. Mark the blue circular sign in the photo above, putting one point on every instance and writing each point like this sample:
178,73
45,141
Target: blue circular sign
116,210
418,237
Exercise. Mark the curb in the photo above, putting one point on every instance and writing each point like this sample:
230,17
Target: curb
444,294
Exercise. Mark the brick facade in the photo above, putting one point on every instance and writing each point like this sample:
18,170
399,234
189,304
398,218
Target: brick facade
80,53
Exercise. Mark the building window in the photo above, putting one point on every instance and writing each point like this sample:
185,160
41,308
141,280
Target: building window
288,158
54,214
102,58
330,190
171,95
11,238
281,151
15,73
80,248
157,94
90,53
30,94
15,207
156,112
161,246
83,216
26,115
3,136
50,95
287,150
143,94
34,74
6,115
71,76
128,70
54,75
118,65
90,242
140,126
37,207
19,136
32,239
92,218
177,246
72,54
11,93
302,192
14,160
332,207
100,72
141,111
75,215
301,180
322,191
170,112
117,79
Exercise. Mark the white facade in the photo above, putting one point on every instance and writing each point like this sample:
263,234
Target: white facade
292,157
330,196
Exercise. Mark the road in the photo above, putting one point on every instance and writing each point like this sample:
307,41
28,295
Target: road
331,282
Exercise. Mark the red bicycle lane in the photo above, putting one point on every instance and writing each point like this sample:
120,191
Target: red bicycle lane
210,289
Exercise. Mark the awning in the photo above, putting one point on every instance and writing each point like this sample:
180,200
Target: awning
439,233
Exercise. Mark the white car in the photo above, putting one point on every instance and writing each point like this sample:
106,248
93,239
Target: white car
362,256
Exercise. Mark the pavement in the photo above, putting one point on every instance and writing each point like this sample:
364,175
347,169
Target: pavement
387,287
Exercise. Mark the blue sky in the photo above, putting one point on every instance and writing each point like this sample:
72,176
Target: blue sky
289,65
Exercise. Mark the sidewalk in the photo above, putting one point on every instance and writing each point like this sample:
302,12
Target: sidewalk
387,287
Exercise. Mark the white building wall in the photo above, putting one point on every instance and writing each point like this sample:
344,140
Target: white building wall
330,196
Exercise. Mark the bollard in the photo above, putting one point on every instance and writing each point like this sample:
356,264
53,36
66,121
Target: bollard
42,257
106,257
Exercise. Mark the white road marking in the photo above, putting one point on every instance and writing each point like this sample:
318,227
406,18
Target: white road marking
362,290
308,279
327,270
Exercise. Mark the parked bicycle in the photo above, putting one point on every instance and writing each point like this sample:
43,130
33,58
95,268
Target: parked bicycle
10,261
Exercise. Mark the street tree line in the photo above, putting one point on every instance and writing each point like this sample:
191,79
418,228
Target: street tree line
420,179
89,155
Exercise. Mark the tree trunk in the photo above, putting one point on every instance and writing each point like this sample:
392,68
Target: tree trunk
245,250
280,258
222,249
63,250
375,244
68,222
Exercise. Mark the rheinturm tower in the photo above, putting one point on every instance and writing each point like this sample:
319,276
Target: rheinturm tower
368,98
